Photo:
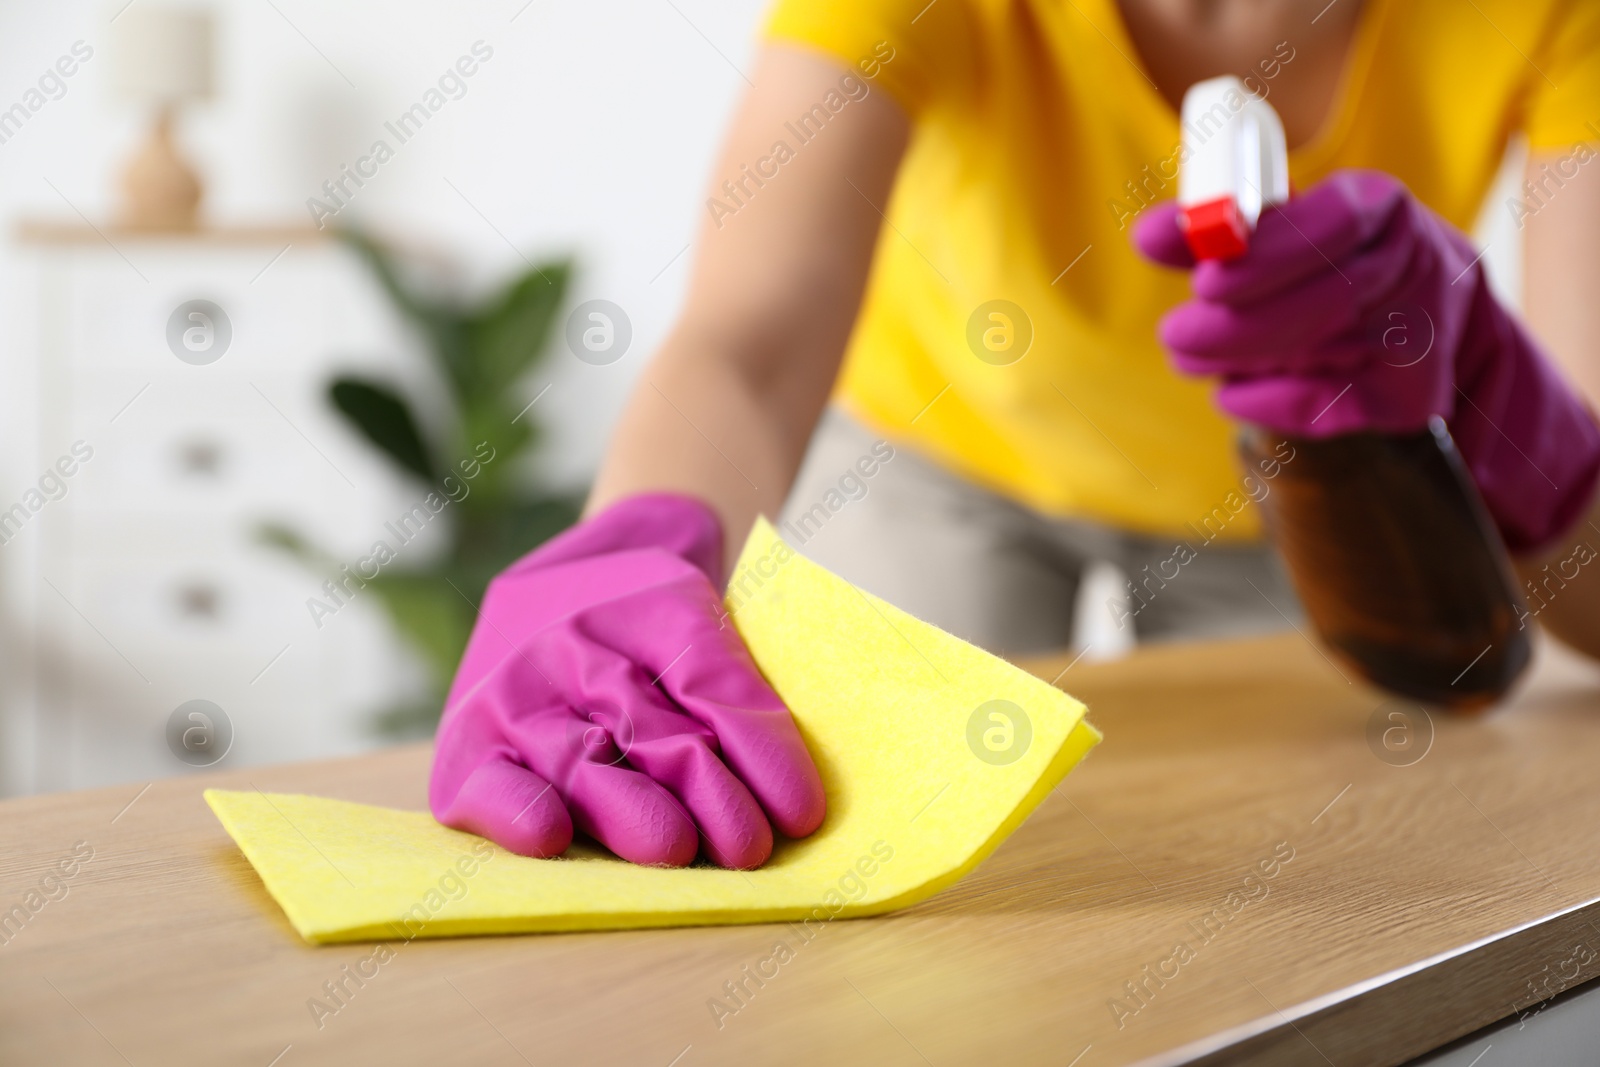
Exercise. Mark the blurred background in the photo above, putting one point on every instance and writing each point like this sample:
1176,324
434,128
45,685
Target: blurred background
245,346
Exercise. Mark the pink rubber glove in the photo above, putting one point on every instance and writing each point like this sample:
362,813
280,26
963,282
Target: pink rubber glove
603,689
1356,308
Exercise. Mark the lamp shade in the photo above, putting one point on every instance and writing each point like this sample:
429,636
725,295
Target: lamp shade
162,55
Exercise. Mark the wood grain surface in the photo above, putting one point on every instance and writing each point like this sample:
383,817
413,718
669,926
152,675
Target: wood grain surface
1333,907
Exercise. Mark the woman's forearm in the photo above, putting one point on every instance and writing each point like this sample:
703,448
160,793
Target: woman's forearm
725,409
697,425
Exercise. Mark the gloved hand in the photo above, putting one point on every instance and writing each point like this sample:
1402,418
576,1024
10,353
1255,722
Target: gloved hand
1356,308
603,688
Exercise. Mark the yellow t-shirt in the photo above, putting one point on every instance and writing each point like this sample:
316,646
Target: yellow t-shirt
1037,138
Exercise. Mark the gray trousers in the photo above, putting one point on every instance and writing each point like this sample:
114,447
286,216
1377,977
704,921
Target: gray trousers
1003,576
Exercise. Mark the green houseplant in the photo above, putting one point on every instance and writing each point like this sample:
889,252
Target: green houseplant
483,350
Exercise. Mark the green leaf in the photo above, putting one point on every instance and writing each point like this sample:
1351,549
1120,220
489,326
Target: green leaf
513,331
386,270
383,416
447,329
491,425
491,538
431,614
411,721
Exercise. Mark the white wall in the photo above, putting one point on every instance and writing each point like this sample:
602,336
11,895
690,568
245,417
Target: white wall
589,131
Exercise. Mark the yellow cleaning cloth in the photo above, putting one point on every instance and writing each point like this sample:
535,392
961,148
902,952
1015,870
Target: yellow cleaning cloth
931,752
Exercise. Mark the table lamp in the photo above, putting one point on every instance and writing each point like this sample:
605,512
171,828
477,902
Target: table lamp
160,58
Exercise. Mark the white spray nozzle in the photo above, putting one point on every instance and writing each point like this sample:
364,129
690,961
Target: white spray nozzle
1236,163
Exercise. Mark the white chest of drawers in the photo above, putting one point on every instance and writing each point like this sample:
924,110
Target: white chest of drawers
141,585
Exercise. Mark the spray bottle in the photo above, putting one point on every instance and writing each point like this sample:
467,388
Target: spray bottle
1397,563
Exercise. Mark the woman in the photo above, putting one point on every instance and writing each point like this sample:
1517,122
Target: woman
951,216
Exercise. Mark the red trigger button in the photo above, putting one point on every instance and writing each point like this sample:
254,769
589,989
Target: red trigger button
1215,229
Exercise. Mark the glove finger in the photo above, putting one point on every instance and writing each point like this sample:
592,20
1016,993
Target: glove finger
1295,329
511,806
1158,237
1344,355
714,680
659,740
1327,405
1301,405
717,683
759,743
1305,237
582,751
733,828
631,814
1364,275
1207,338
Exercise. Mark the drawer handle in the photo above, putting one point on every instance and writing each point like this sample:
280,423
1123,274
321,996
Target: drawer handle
200,457
199,600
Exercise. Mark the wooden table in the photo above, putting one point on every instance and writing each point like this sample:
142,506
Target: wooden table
1420,903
